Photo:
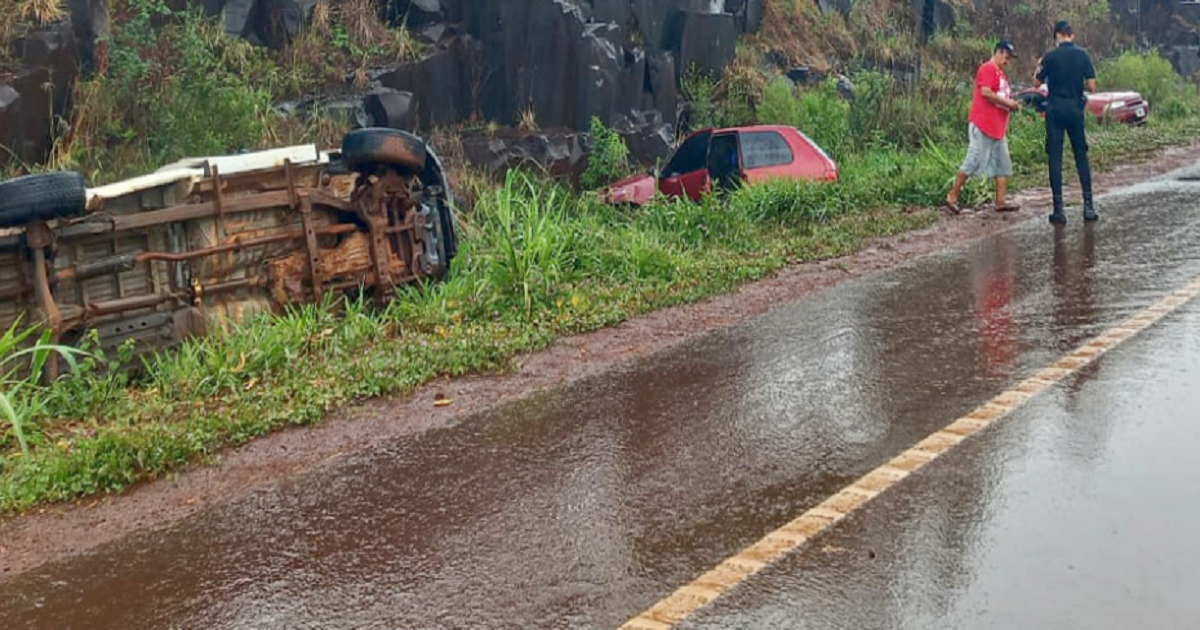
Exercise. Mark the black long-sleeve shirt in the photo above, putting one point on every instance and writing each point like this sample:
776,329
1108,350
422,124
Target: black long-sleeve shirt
1065,70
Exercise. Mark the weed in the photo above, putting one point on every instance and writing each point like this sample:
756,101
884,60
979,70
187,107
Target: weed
608,160
700,90
22,397
528,119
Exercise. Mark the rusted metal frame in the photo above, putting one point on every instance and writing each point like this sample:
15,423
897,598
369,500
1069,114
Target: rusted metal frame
78,315
343,285
370,205
315,269
74,316
116,249
402,232
293,199
235,285
259,180
401,228
40,237
237,244
191,212
303,203
125,262
218,202
80,288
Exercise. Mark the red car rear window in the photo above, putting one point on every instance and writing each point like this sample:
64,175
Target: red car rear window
762,149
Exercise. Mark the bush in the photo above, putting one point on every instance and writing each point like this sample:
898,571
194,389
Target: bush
175,86
824,116
609,159
700,90
1155,79
820,113
779,105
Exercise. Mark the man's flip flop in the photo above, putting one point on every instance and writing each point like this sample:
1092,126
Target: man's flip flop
1012,207
953,207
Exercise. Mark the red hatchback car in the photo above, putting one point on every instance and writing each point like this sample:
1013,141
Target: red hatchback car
725,158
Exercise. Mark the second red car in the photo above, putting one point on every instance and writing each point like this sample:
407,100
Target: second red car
720,159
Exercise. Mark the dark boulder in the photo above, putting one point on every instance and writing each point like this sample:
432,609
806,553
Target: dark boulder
648,138
703,42
805,75
35,98
661,89
444,85
611,11
1185,59
90,21
391,108
557,153
419,13
270,23
845,88
931,16
749,14
835,6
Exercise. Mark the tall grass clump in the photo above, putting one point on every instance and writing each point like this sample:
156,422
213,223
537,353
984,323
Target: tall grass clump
23,357
609,158
528,245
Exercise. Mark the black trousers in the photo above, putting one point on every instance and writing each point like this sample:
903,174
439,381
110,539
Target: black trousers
1065,119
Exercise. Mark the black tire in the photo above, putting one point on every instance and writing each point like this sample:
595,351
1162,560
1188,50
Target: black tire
377,146
42,197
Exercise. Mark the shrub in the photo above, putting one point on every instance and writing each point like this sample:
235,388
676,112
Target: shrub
779,105
700,90
609,159
819,112
526,246
176,86
1155,79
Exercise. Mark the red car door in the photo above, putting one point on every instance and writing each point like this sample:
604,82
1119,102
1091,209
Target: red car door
686,174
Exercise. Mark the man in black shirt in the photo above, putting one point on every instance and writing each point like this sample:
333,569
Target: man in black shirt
1067,71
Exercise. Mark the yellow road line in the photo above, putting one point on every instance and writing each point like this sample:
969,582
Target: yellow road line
685,601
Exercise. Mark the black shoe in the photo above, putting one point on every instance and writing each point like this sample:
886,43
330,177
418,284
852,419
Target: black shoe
1058,217
1089,213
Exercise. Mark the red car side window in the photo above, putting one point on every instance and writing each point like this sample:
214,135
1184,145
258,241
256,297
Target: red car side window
762,149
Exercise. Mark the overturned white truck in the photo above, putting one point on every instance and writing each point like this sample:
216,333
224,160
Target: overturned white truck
206,241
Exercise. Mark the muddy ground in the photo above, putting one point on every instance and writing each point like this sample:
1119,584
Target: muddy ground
57,532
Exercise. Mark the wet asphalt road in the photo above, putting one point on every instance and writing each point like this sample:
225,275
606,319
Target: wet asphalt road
581,507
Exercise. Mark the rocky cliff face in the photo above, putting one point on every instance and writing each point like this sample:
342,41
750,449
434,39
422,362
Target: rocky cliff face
563,61
553,62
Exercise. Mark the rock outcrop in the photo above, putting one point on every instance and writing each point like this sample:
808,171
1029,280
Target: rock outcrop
37,92
561,62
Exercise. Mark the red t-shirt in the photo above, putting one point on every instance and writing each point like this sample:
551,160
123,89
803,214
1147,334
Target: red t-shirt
991,119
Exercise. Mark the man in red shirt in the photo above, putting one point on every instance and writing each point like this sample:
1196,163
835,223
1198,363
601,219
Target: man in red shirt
988,129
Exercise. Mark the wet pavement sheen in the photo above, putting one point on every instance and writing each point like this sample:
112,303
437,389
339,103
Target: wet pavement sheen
580,507
1076,512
